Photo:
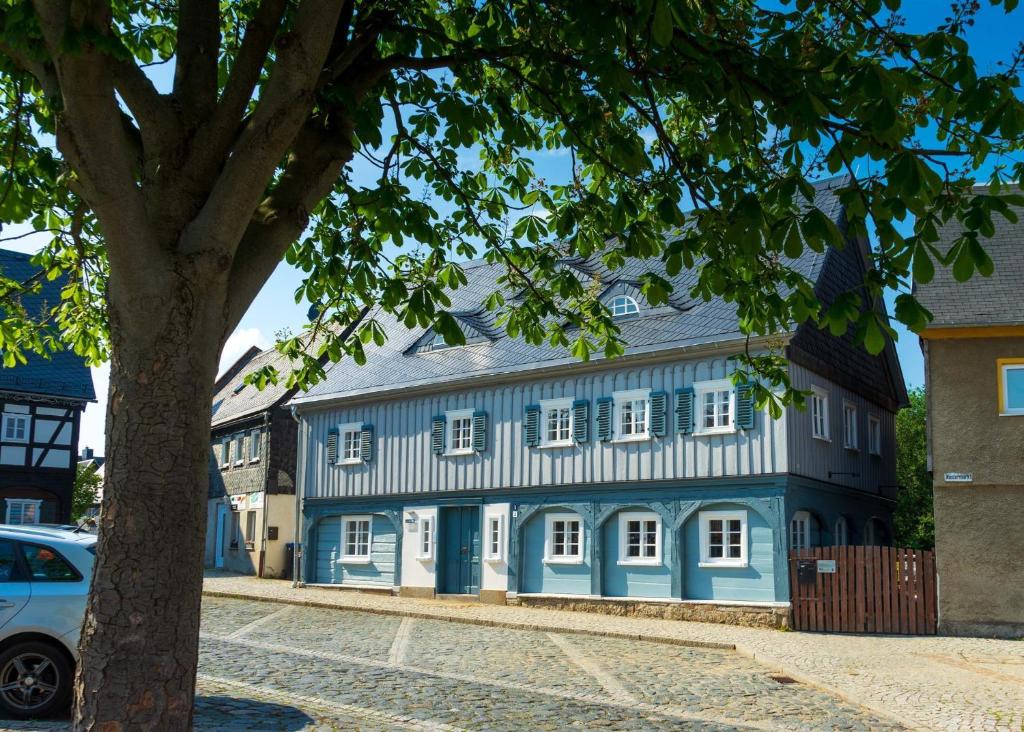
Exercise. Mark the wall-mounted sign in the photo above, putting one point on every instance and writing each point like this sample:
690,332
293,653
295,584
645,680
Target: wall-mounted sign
256,500
958,477
239,503
826,566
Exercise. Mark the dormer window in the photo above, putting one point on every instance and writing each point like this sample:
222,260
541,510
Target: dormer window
439,341
623,305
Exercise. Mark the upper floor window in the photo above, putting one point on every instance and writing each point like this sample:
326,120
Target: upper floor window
623,305
23,510
351,443
819,414
849,426
356,539
800,530
563,538
715,402
557,419
225,452
874,435
1011,386
842,532
255,438
723,538
639,538
238,449
15,427
460,432
632,414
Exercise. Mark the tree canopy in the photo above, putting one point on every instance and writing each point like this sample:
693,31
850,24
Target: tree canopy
704,118
914,520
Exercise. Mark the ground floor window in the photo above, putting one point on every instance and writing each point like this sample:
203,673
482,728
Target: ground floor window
23,510
250,530
235,530
723,538
495,538
426,544
800,531
563,540
639,538
355,538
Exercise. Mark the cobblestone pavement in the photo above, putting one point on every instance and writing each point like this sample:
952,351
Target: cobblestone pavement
930,683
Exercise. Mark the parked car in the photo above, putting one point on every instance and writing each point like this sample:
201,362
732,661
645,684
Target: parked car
44,580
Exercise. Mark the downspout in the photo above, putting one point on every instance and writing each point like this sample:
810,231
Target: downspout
300,487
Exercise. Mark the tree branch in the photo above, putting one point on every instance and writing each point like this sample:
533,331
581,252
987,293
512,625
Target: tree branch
195,70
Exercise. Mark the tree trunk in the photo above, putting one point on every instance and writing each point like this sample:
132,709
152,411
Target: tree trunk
140,637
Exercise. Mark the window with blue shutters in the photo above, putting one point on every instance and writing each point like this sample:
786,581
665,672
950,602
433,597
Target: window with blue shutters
531,425
604,418
581,420
459,432
366,443
556,418
659,400
437,435
332,445
684,411
715,407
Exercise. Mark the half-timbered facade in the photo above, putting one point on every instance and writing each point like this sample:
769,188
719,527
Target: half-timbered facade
513,472
41,404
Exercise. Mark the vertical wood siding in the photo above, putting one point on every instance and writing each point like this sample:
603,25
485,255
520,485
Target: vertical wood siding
405,464
814,458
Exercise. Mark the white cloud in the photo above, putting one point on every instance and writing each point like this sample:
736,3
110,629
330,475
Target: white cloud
238,343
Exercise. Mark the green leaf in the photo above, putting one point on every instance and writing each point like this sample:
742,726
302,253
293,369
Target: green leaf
661,23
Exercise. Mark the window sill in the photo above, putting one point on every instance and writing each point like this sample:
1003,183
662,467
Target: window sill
555,445
716,431
355,560
640,438
459,453
225,466
723,565
568,560
639,562
424,559
239,463
350,461
851,448
494,560
822,439
253,460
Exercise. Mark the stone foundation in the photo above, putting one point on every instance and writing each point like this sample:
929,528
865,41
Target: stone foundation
746,615
419,593
493,597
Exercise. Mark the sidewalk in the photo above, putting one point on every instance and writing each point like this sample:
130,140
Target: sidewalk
929,683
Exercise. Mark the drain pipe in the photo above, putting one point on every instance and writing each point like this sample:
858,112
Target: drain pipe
300,487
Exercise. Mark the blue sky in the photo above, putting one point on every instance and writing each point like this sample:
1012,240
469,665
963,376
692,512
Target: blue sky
993,38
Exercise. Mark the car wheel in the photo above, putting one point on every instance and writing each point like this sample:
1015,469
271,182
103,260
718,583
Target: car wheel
35,680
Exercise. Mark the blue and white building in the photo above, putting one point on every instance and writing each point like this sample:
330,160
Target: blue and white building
517,473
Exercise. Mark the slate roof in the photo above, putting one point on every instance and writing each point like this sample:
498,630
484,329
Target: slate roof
980,301
235,400
63,374
402,362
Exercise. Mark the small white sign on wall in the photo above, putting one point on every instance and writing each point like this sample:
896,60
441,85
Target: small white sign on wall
958,477
826,566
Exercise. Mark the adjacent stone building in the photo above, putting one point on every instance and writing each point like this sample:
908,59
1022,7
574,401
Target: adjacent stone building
974,372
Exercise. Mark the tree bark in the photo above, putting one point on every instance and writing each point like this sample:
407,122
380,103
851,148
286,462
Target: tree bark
140,636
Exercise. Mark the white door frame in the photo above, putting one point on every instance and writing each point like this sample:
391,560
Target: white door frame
218,547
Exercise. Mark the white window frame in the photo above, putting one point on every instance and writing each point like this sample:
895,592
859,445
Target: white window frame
425,541
449,420
346,522
841,532
629,306
17,417
255,445
549,526
700,389
819,431
344,430
620,398
238,456
225,452
850,436
36,504
546,407
704,522
1004,407
874,435
624,518
494,538
800,527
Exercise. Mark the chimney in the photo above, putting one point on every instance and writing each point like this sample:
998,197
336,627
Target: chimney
87,453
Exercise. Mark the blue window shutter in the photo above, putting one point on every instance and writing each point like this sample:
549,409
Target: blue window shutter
332,445
437,435
604,418
581,420
366,443
684,411
745,406
531,425
479,431
659,403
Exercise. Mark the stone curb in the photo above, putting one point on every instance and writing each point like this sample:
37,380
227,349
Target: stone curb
746,651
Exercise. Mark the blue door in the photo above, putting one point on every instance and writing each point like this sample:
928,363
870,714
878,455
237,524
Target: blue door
460,551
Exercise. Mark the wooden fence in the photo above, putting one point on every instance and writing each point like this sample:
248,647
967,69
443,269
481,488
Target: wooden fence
863,589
